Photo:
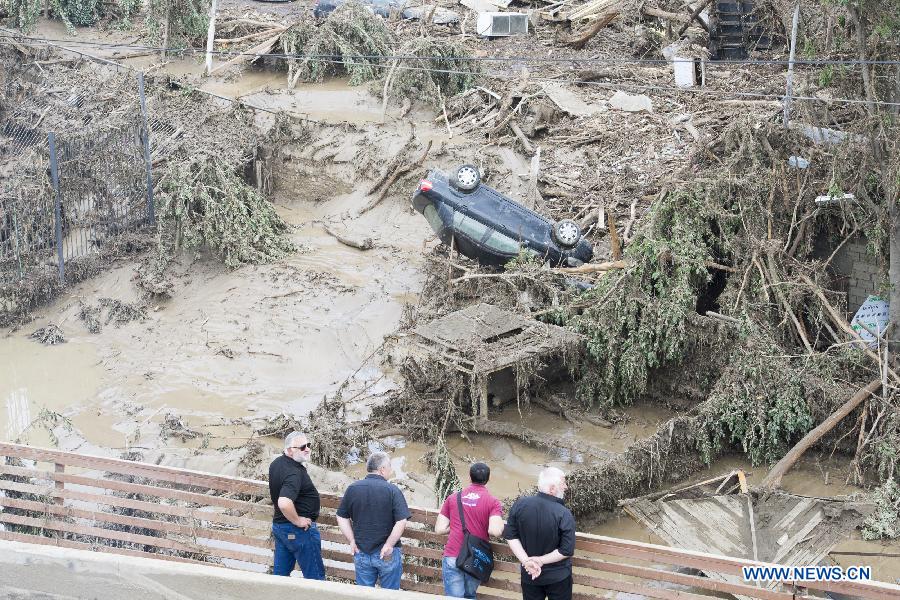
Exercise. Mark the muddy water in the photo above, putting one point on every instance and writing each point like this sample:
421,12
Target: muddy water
263,340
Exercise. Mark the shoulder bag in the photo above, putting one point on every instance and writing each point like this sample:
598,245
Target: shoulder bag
475,556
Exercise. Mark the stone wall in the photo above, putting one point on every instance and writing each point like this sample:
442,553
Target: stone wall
859,272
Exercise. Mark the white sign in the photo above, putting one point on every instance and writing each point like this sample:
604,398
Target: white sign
874,314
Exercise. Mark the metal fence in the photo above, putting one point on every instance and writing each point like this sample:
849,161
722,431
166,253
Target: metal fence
67,193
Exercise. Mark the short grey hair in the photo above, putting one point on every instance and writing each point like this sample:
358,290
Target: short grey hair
377,460
550,476
289,440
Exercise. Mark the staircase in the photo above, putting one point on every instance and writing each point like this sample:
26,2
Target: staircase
735,30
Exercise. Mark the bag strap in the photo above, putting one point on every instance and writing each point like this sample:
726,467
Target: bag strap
462,517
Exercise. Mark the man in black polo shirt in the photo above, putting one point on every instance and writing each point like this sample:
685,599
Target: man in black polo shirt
296,503
541,533
372,516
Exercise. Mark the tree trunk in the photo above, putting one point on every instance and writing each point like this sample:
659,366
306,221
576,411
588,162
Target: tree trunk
894,274
210,37
859,25
773,479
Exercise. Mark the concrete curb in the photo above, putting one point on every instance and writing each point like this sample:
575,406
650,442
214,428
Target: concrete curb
32,572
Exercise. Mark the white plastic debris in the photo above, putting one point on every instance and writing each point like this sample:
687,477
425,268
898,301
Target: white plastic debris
622,101
873,317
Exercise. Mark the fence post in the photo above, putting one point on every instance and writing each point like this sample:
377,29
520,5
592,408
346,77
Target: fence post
18,249
790,73
59,485
145,135
54,174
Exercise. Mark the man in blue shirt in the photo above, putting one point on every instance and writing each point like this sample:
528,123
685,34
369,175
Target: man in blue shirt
372,516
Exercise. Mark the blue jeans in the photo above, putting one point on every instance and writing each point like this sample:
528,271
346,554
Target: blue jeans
301,546
458,584
370,568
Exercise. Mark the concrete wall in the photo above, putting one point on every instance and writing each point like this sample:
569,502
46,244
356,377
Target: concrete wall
862,272
35,572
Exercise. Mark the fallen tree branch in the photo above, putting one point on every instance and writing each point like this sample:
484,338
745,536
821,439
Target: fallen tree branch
400,170
651,11
694,16
365,243
801,330
249,55
773,479
615,244
843,326
521,137
593,268
579,42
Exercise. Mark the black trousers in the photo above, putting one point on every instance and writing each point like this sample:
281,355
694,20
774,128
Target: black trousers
553,591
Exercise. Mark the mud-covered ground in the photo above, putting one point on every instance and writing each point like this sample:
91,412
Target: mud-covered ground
189,383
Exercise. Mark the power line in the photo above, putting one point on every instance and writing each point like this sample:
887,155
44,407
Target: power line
721,94
517,59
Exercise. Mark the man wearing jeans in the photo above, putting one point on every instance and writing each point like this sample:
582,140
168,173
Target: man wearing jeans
372,516
483,515
296,503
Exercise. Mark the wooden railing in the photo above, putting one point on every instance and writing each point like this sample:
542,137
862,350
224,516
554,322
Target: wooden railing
123,507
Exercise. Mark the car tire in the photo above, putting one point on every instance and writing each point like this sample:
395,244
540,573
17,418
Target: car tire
466,178
566,233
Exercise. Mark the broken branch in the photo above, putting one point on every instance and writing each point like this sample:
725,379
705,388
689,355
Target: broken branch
773,479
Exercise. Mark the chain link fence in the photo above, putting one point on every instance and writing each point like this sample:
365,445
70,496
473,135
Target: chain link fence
75,171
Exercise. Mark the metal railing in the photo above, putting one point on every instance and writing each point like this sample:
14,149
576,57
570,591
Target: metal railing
118,506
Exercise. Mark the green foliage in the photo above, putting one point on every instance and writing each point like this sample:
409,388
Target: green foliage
636,321
444,70
351,39
73,13
24,13
759,402
76,12
210,205
188,21
446,481
884,523
47,420
826,76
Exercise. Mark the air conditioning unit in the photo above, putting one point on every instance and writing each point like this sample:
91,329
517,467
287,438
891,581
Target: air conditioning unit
496,24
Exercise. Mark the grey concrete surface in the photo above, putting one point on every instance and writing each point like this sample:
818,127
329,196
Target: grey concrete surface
34,572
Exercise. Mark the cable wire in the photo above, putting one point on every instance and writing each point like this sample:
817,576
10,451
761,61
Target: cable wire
517,59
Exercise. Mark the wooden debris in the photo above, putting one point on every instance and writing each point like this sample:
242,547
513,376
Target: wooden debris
593,268
773,479
364,243
578,42
250,55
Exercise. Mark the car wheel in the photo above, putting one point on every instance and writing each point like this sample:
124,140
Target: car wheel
566,232
466,178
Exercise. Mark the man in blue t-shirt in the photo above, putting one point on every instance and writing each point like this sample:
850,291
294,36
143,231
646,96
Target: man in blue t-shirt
372,516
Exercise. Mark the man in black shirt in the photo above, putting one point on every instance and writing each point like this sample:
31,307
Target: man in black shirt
296,503
372,516
541,533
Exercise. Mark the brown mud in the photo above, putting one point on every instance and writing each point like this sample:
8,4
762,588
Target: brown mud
234,348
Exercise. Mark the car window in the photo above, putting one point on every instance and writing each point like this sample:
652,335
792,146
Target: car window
434,219
468,226
502,243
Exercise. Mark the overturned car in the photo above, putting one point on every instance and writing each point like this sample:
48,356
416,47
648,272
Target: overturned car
486,226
